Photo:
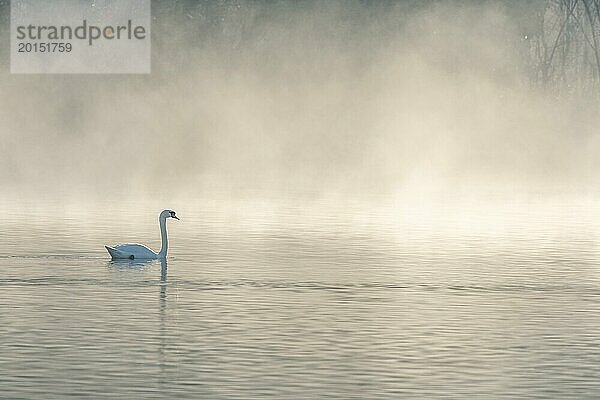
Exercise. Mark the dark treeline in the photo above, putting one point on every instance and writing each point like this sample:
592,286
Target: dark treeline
557,42
562,43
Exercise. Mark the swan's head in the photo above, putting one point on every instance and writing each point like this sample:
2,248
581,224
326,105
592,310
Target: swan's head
168,214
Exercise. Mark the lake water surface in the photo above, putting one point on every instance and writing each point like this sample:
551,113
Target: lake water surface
286,304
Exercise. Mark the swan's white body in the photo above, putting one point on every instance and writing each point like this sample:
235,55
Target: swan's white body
141,252
132,252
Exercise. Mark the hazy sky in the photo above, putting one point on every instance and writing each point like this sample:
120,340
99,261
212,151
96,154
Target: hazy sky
327,98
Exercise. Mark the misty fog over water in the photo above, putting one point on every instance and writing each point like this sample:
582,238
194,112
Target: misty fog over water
309,99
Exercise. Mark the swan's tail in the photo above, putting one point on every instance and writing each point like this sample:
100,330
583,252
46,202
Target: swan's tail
114,253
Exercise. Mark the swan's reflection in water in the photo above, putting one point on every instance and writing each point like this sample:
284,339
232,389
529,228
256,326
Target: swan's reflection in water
163,282
126,264
162,308
144,265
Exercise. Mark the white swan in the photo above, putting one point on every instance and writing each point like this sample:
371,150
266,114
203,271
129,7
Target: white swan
141,252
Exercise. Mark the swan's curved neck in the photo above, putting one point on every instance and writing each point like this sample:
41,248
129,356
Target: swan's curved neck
163,236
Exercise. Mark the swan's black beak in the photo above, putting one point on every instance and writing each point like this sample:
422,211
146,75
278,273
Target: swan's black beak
176,217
